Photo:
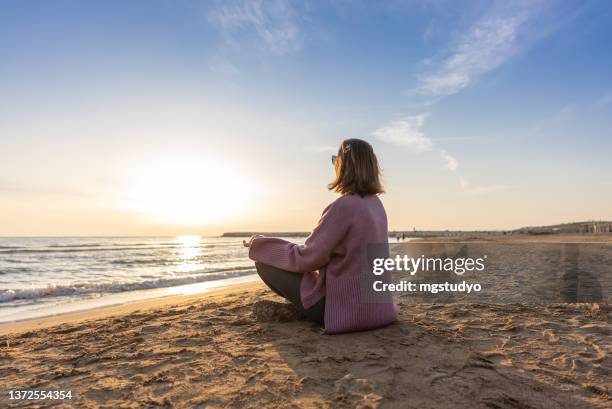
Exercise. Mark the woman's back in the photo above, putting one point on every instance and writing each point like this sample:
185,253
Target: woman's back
344,280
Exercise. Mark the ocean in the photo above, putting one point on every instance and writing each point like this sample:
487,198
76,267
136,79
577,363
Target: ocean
45,275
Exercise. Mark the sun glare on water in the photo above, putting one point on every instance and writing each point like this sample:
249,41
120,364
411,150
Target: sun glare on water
188,191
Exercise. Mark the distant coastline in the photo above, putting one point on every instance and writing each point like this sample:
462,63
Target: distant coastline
585,227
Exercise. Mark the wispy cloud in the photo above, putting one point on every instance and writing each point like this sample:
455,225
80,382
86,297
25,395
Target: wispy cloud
450,162
322,148
471,189
478,190
407,133
486,45
554,122
274,23
222,66
603,101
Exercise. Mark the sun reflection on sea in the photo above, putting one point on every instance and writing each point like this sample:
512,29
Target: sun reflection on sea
189,252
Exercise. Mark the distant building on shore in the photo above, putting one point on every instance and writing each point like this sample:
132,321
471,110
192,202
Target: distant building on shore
591,227
596,227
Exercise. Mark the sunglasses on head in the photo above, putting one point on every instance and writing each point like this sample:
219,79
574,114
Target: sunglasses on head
347,148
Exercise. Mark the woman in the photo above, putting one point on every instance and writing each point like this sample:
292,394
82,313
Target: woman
322,278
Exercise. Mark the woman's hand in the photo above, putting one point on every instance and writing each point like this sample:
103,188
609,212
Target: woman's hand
248,243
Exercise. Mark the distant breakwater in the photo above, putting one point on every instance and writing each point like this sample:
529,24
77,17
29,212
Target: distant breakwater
270,234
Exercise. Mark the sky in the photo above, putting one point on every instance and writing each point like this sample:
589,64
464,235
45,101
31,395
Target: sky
198,117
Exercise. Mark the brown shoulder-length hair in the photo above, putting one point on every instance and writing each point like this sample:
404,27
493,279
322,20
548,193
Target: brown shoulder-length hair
357,170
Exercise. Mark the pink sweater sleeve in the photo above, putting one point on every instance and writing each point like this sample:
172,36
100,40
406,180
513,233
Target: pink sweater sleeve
312,255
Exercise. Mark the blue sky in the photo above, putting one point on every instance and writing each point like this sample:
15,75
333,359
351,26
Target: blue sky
484,114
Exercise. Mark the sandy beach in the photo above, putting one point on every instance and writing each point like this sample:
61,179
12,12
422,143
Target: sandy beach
306,204
210,351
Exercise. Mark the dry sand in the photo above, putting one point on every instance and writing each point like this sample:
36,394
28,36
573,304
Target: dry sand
210,351
213,353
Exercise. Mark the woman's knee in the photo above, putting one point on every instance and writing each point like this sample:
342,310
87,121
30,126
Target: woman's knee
262,269
260,266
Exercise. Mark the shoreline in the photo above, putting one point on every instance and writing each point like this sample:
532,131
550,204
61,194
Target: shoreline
124,302
110,311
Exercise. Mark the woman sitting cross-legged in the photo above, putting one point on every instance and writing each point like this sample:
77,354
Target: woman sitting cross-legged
323,277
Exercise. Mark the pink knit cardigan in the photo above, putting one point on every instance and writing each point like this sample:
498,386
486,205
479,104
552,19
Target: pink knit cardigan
331,262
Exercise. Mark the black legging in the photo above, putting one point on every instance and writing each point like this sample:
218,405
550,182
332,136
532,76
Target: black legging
287,285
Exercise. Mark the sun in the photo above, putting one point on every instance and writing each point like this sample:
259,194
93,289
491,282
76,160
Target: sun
188,191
